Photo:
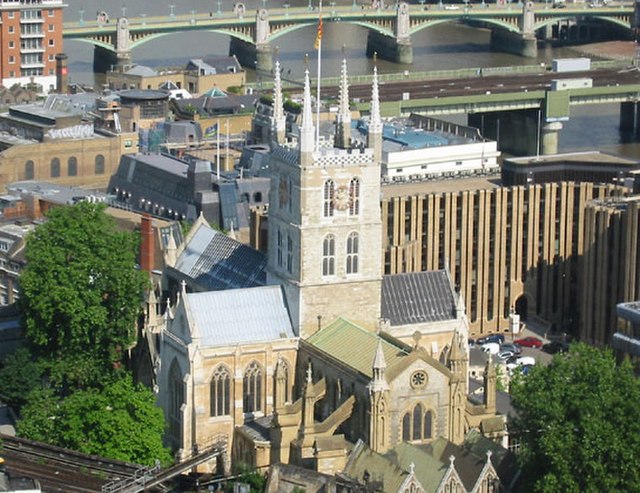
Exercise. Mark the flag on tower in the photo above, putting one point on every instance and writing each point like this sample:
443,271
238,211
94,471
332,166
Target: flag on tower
319,35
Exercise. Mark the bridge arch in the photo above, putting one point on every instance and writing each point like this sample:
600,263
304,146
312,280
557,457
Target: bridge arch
500,24
616,21
145,39
279,32
95,42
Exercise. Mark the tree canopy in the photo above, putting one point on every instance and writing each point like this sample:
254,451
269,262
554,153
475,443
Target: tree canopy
119,421
80,291
577,421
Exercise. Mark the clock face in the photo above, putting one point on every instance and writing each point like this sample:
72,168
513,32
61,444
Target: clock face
341,198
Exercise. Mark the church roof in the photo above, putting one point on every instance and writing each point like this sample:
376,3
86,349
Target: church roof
339,339
240,316
378,470
428,470
417,297
214,262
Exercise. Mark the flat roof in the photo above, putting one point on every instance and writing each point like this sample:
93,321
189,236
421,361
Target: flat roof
577,157
404,189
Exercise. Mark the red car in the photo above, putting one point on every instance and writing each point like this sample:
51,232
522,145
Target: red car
529,342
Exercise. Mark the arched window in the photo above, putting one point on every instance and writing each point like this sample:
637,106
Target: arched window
99,165
72,166
279,249
252,389
289,254
327,198
55,167
352,253
283,370
329,255
417,425
221,392
354,197
29,170
176,399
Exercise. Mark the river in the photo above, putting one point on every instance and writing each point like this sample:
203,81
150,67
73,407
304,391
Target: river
445,46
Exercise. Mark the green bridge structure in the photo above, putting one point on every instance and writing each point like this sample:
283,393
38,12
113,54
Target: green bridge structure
515,27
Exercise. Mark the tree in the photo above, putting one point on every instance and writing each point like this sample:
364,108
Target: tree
80,291
19,375
577,421
121,421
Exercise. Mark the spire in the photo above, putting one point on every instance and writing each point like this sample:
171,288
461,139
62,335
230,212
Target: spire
307,131
490,387
279,120
375,122
379,362
343,118
378,382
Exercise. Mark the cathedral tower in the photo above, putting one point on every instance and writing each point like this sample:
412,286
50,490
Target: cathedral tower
325,229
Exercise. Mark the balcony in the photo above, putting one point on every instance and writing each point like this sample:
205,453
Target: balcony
39,49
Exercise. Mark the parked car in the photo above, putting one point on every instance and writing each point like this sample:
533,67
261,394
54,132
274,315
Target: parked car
520,361
510,346
529,342
491,347
505,354
554,347
497,338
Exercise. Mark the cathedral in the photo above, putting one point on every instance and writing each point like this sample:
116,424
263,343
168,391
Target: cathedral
320,350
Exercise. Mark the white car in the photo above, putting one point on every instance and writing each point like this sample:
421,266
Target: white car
451,7
520,361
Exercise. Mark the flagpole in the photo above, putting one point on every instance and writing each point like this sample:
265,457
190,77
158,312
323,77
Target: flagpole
320,34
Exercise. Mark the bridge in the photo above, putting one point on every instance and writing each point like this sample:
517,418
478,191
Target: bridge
524,112
253,35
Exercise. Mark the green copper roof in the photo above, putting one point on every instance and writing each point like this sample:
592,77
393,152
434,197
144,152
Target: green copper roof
428,470
355,346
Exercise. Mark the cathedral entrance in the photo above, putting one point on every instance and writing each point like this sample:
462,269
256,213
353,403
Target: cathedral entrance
522,307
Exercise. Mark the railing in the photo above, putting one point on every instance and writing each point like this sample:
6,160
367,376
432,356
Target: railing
139,479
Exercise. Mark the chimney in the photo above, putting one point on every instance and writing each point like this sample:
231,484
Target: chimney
62,74
147,250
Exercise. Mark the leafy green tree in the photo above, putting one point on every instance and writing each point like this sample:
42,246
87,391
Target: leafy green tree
80,291
577,421
121,421
19,376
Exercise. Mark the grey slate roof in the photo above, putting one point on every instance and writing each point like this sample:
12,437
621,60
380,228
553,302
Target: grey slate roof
240,316
417,297
215,262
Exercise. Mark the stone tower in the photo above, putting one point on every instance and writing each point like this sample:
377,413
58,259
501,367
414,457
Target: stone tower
379,435
325,229
458,364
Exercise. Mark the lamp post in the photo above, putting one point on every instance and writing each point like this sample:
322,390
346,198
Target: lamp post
81,12
264,4
219,6
310,5
286,9
124,10
172,9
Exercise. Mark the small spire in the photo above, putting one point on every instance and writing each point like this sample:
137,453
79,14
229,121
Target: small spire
232,233
307,130
279,118
379,362
309,373
343,118
375,125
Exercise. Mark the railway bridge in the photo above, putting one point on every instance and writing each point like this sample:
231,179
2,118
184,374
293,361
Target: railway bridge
253,35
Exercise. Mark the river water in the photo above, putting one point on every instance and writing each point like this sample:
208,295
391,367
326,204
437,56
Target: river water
445,46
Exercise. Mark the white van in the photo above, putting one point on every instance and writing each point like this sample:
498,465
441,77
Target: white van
491,348
521,361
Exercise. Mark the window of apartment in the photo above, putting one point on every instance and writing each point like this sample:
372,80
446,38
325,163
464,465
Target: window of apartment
99,165
12,29
12,44
52,57
12,59
51,42
29,170
12,73
252,389
51,28
72,166
352,253
11,15
55,167
50,13
329,255
220,392
51,71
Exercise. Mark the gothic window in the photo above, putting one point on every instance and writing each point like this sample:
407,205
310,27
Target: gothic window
29,170
176,399
354,197
352,253
283,368
329,255
221,392
99,165
252,389
72,166
328,198
279,249
55,167
417,425
289,254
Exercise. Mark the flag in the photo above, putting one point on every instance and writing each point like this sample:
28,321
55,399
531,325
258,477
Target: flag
211,131
319,35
